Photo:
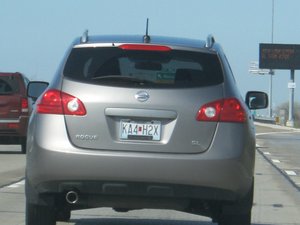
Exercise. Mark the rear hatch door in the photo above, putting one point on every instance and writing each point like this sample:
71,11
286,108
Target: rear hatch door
142,101
10,105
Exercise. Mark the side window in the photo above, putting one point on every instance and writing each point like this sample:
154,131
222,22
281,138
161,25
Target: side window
26,81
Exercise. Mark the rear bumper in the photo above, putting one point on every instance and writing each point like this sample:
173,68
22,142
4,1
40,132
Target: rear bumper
14,127
127,195
220,174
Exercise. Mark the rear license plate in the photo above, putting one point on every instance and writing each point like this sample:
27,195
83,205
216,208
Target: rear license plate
130,130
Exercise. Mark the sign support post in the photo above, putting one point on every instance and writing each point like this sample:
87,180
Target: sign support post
291,122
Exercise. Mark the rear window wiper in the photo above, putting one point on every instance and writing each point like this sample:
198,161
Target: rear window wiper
122,79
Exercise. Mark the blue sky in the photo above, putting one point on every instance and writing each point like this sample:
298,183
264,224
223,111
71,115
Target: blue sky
36,33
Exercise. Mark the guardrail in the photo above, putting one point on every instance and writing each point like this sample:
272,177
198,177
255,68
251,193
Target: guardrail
266,120
275,121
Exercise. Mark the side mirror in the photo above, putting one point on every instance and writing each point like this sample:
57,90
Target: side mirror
257,100
36,88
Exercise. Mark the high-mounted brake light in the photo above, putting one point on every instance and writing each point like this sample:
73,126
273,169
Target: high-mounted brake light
58,102
223,110
147,47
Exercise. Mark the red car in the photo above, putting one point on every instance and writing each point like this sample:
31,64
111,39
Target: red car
14,109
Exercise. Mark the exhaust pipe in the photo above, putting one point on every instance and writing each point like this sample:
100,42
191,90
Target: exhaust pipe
72,197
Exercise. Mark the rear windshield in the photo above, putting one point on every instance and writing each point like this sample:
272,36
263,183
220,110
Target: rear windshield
132,68
8,85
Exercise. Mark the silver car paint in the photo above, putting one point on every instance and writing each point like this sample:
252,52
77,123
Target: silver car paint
201,154
52,157
99,100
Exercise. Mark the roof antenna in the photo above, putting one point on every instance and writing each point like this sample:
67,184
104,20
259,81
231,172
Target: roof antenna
147,37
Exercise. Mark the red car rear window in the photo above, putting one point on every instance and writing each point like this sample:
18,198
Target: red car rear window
9,85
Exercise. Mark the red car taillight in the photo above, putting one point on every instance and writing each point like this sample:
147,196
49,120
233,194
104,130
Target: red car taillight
24,105
57,102
223,110
13,125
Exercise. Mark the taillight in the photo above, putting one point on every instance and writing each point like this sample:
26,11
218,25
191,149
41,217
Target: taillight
13,126
223,110
143,47
57,102
24,105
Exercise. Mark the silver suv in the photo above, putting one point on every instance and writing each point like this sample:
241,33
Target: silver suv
133,122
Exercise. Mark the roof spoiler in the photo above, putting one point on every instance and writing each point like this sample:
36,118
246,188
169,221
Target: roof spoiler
85,37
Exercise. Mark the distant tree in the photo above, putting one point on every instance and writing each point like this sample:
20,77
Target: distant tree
284,108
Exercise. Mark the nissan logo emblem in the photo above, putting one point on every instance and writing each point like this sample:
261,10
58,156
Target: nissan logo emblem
142,96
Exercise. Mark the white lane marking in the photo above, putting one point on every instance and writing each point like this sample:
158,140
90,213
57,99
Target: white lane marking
291,173
288,172
16,185
278,132
275,161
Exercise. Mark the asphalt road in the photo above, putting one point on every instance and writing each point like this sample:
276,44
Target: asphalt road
12,164
281,147
276,202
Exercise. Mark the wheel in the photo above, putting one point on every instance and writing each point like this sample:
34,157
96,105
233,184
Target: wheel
121,210
23,145
238,213
63,215
244,219
39,215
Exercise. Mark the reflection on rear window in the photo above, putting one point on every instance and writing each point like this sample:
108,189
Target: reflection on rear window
117,67
8,85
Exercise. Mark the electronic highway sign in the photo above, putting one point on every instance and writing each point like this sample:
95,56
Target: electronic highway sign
279,56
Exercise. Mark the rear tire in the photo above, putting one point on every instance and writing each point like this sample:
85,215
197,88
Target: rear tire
238,213
63,215
23,145
244,219
39,215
